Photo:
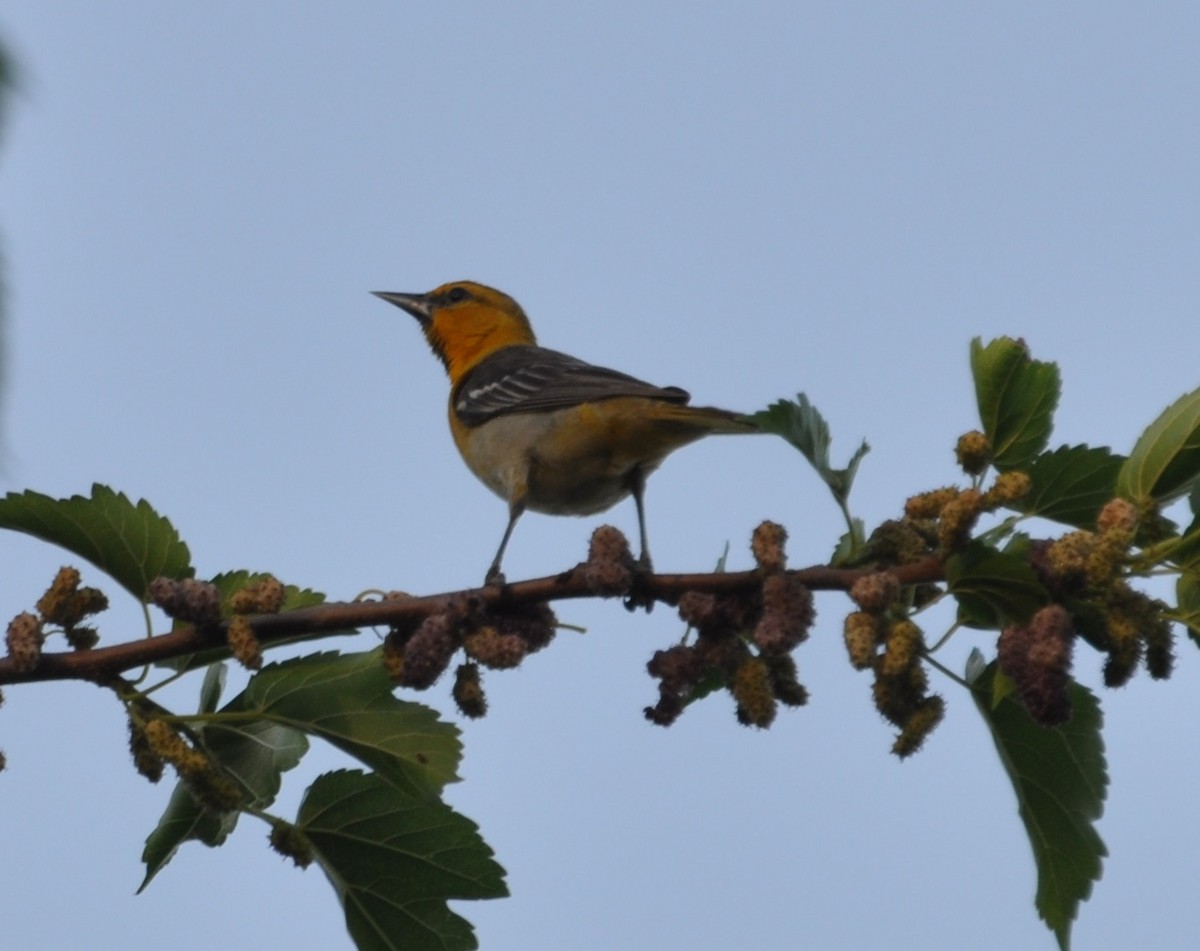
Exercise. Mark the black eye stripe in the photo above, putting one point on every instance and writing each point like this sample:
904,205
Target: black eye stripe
456,294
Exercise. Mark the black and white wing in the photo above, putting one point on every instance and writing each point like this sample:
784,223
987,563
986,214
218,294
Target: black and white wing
523,378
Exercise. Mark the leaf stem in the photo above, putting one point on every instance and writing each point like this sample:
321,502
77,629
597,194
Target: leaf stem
948,672
944,638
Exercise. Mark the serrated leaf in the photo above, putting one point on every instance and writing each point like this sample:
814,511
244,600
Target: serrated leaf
395,860
1165,462
993,588
802,425
183,821
131,543
1071,484
1061,779
347,700
229,583
1017,397
254,754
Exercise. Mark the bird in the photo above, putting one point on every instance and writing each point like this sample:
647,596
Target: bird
546,431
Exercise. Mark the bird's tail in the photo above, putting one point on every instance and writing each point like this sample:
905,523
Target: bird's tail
709,418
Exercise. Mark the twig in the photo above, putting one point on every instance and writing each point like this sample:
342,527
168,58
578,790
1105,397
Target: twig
101,664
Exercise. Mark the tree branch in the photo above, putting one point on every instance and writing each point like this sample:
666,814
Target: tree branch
101,664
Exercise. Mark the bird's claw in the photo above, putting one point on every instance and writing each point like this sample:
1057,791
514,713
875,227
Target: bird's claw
639,596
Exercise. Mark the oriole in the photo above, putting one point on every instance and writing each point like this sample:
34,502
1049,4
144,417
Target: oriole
544,430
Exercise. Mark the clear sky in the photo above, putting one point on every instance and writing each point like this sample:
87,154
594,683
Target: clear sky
746,200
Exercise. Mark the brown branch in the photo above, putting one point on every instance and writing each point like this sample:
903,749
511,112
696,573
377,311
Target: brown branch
101,664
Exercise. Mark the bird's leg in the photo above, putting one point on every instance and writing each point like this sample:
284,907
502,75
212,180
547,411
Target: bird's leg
637,488
494,575
638,598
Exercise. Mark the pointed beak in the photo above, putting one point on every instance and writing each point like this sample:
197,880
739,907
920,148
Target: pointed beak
415,304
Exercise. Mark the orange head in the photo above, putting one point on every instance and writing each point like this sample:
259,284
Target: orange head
465,322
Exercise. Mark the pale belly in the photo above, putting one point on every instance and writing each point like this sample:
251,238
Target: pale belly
556,466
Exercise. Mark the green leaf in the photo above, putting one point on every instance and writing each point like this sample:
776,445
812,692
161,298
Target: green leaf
1187,611
254,754
1194,504
1017,397
395,860
1183,550
183,821
229,583
714,679
346,699
210,690
802,425
993,588
1071,484
1165,462
131,543
849,547
1061,779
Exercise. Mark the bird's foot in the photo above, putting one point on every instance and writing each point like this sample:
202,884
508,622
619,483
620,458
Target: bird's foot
639,591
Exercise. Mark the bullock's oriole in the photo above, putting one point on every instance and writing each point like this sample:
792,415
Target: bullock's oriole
541,429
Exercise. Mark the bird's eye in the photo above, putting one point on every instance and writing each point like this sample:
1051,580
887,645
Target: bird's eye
456,294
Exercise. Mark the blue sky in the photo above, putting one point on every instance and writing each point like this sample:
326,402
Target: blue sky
746,201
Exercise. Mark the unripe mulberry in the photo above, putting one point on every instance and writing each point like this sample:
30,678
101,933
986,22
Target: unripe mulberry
930,504
187,599
1008,489
927,715
974,452
957,518
24,641
493,649
787,614
875,592
767,546
861,635
752,691
264,596
243,643
1118,515
1037,656
427,653
145,760
900,648
609,569
291,843
468,691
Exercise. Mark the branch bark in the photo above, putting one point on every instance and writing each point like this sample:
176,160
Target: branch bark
102,664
